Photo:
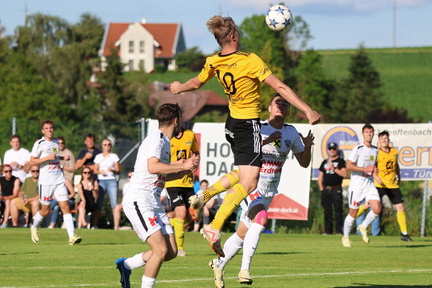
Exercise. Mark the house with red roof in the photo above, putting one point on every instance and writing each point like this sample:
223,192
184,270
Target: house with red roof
143,45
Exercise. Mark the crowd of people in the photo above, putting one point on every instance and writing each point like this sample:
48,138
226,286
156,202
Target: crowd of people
97,171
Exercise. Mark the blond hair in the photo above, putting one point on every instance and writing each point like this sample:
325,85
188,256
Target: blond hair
221,28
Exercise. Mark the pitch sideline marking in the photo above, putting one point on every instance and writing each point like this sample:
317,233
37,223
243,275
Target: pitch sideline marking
211,279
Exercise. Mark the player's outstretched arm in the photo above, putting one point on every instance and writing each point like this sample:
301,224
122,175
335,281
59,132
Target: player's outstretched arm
288,94
191,84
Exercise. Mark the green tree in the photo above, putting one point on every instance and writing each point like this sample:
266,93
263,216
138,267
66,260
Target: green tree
191,59
312,85
359,95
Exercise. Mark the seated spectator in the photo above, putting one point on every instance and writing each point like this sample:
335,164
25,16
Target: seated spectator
28,198
10,187
55,207
88,190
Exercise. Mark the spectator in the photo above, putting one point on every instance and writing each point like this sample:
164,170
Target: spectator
203,185
118,209
17,157
28,198
10,187
55,207
68,167
86,158
331,173
88,190
107,165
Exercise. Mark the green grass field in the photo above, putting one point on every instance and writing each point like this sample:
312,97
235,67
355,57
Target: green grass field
282,260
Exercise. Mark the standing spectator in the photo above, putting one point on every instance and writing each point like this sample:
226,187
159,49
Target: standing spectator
68,167
86,157
107,166
141,203
10,187
389,174
183,146
28,198
17,157
45,153
240,74
88,190
331,173
361,162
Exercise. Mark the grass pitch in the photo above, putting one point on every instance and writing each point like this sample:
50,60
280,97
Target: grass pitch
282,260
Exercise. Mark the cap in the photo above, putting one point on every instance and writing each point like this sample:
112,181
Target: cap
332,145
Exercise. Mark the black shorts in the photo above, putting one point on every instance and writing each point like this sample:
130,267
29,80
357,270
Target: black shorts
179,196
395,194
245,139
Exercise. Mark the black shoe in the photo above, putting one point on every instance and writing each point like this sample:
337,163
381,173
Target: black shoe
406,238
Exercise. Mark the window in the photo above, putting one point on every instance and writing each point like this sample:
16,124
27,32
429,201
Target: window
141,44
131,46
131,65
141,65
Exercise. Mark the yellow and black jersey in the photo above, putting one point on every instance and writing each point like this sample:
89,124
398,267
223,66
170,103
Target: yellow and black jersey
240,75
182,148
388,168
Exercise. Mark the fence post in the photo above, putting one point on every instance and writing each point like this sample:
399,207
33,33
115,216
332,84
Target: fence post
423,220
13,125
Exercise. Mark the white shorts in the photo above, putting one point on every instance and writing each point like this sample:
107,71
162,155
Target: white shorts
47,191
365,192
145,220
247,204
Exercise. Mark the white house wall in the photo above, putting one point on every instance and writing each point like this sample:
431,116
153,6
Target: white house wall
136,33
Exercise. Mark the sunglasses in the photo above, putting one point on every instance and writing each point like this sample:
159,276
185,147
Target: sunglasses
332,149
7,171
34,170
86,172
106,144
60,142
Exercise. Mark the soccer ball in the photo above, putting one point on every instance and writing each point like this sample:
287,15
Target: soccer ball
278,17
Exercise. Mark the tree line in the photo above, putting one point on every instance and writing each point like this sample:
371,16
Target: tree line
45,71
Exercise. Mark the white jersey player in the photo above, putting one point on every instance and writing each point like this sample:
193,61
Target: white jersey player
141,203
362,164
45,153
278,140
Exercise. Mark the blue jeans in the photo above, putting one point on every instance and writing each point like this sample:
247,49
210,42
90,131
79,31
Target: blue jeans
55,207
375,224
111,187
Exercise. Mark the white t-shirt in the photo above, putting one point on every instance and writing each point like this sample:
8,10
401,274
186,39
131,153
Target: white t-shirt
106,162
362,156
50,171
274,156
21,157
143,185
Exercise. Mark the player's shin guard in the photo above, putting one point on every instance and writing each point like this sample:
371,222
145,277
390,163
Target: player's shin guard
222,185
251,244
231,203
401,219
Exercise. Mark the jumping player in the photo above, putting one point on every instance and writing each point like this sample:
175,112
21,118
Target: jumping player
240,75
278,140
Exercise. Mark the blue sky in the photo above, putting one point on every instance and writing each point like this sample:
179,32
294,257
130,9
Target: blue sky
334,24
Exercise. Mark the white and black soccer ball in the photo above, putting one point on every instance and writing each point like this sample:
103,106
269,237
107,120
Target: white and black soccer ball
278,17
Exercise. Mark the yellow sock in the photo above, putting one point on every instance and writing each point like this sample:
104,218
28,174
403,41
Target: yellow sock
401,219
229,205
172,222
179,232
219,186
360,210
